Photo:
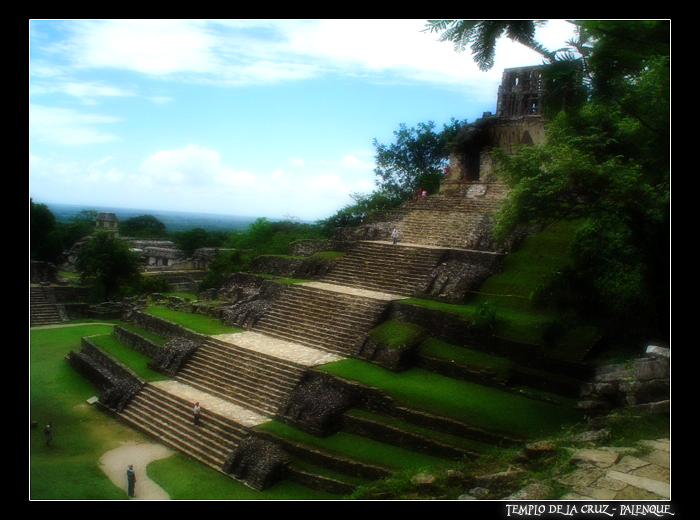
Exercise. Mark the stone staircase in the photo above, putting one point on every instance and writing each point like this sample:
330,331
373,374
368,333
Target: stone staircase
319,317
454,218
240,381
254,380
164,411
377,266
43,307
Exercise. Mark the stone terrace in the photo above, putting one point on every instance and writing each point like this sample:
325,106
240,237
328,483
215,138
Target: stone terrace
323,316
458,217
244,379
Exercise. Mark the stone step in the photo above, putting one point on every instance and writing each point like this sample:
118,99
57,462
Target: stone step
324,319
248,360
245,377
453,217
43,309
243,399
402,285
329,312
168,418
248,393
45,314
329,340
330,302
384,267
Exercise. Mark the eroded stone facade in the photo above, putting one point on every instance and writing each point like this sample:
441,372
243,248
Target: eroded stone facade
519,121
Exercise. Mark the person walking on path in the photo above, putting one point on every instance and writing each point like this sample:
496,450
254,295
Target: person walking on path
195,413
130,481
394,236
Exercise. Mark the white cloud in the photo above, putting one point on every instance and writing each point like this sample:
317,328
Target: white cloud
352,161
88,92
249,52
191,165
82,64
148,46
100,172
234,179
68,127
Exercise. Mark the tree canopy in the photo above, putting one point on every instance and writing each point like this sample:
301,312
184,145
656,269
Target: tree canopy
109,263
481,36
415,160
143,226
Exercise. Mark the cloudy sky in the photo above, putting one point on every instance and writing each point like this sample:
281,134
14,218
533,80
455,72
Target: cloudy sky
270,118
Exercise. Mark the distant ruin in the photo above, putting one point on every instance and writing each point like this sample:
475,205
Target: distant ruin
107,222
155,253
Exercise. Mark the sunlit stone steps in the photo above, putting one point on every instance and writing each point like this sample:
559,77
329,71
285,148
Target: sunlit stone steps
454,218
43,307
381,266
164,411
254,379
314,316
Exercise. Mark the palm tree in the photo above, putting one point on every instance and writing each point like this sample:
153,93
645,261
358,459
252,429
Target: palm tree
482,35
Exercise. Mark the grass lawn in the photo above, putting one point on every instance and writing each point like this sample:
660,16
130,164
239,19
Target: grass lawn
68,468
195,322
357,447
483,406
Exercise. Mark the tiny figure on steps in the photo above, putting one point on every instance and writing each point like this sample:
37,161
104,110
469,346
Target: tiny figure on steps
195,413
394,236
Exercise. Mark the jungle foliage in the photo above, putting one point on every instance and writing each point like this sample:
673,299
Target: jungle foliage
605,163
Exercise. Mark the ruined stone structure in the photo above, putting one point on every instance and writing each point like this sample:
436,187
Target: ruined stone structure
518,121
521,93
157,253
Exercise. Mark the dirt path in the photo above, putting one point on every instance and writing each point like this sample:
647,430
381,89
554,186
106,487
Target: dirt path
115,462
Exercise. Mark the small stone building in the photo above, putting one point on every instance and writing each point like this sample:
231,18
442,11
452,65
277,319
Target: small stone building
162,255
107,222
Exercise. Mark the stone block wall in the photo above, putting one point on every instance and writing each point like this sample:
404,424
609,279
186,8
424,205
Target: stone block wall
136,342
460,272
116,381
643,384
163,328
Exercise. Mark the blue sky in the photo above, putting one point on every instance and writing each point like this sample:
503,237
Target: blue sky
269,118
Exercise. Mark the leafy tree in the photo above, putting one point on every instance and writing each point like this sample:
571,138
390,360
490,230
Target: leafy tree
223,263
353,214
143,226
109,263
78,227
44,235
192,239
415,160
